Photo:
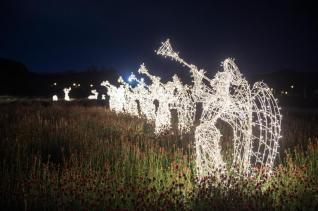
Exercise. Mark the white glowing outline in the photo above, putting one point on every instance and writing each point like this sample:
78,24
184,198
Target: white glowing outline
55,98
66,93
252,113
94,95
116,96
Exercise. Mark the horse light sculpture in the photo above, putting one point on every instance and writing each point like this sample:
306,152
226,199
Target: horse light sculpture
66,93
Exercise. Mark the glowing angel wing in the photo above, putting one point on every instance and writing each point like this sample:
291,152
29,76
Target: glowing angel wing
266,126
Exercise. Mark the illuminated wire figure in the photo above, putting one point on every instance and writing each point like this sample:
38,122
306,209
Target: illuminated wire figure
55,98
94,95
184,104
163,95
116,96
228,97
130,105
66,93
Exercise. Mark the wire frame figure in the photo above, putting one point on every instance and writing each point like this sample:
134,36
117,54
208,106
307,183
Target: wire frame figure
66,93
94,95
130,105
116,96
143,97
252,113
163,95
55,98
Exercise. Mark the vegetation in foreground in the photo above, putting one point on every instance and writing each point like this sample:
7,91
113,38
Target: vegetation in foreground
75,157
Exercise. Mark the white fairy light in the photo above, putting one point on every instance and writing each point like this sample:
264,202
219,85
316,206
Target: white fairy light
55,98
228,97
251,112
143,96
163,95
130,105
116,96
66,93
94,95
103,97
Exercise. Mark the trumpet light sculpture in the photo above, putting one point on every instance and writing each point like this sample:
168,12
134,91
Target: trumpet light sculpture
251,111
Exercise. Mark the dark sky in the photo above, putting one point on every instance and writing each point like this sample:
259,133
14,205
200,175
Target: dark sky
57,35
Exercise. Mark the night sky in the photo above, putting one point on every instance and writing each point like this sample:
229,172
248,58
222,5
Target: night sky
59,35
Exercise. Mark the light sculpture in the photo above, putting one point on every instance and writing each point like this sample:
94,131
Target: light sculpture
116,96
130,105
66,93
251,112
144,98
55,98
94,95
184,104
163,94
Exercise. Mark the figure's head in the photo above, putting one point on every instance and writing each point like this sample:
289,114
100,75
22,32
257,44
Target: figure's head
230,67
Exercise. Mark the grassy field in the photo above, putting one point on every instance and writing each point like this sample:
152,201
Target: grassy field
70,157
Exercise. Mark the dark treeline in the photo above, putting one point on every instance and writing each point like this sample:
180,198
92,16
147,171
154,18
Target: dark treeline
293,88
17,80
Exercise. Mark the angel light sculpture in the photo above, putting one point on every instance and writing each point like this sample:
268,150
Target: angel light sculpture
94,95
163,94
66,93
252,113
130,105
116,96
143,97
183,103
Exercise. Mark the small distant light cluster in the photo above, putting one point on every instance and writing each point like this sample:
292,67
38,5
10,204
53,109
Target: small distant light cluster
251,112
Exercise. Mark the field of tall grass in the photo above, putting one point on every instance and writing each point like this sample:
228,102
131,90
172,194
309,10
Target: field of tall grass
70,157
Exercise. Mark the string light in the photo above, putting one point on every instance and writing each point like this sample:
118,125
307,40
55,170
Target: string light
251,112
116,96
